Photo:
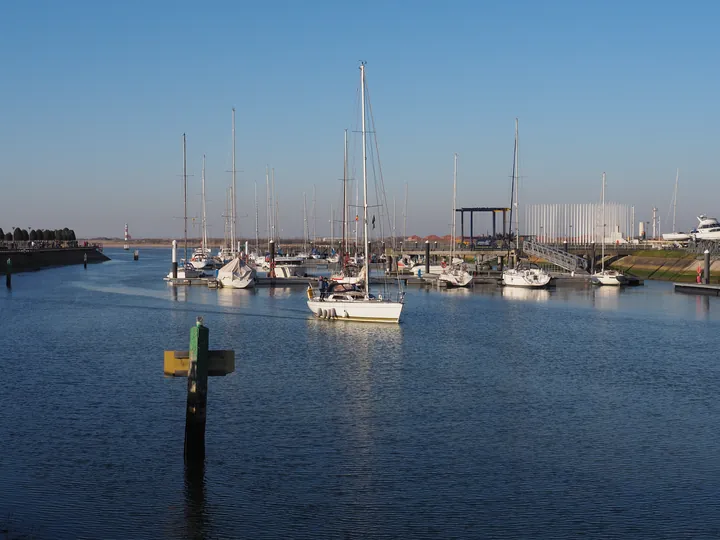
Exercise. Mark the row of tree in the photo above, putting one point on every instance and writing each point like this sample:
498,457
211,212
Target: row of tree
21,235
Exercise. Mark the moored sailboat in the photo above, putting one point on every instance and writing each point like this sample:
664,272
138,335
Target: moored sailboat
345,301
606,277
454,274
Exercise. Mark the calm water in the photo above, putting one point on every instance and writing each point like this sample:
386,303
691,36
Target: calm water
485,414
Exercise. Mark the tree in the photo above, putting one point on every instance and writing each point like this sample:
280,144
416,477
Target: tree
47,235
25,235
17,235
72,235
33,235
58,235
8,237
2,234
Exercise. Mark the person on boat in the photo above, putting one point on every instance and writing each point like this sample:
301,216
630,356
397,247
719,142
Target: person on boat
323,288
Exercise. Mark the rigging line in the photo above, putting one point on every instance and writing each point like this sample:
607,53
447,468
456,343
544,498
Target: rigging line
382,179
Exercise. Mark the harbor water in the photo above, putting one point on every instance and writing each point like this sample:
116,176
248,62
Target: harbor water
487,413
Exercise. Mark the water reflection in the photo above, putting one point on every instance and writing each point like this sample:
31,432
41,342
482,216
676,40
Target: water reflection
528,295
702,307
606,297
196,519
235,297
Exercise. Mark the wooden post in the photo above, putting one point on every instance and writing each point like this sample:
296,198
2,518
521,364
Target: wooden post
8,274
195,415
85,261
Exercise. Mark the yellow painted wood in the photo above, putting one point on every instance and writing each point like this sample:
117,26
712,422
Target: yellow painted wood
177,363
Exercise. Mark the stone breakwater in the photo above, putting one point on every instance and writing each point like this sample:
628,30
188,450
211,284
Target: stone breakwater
35,259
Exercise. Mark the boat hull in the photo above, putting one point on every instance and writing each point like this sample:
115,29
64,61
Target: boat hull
527,279
456,279
358,310
608,279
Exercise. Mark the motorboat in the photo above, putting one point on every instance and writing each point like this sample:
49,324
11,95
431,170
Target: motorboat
236,274
530,277
707,229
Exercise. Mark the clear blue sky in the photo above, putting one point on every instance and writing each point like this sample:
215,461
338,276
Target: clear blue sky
95,96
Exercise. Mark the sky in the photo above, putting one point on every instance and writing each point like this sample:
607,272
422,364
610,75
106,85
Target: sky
95,98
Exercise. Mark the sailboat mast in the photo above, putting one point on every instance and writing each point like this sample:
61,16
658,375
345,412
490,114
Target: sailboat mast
677,177
405,216
267,196
517,187
257,223
204,217
365,188
274,206
344,219
452,235
602,256
185,193
233,203
305,223
314,219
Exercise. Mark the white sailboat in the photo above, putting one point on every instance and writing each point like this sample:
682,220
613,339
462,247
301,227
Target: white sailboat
201,257
523,275
186,270
606,277
676,236
454,274
237,274
345,301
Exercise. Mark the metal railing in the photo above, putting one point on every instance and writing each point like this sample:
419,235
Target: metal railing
559,257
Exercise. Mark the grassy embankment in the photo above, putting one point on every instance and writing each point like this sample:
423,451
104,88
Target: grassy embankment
666,265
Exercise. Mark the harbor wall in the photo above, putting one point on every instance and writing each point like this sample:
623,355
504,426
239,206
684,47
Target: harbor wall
35,259
668,266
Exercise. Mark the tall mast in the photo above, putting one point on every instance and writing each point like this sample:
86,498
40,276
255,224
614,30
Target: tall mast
185,193
314,219
305,223
332,228
394,224
275,206
517,187
602,259
344,219
677,177
267,187
233,210
405,216
365,187
204,218
257,224
452,235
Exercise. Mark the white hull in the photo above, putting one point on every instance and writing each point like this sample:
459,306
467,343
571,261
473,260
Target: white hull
608,277
676,237
529,278
456,278
246,282
236,275
365,310
185,274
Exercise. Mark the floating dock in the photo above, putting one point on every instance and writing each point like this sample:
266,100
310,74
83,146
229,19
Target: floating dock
698,288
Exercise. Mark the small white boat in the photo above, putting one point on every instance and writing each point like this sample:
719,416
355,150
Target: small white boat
185,272
349,276
456,276
236,275
528,277
608,277
676,237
